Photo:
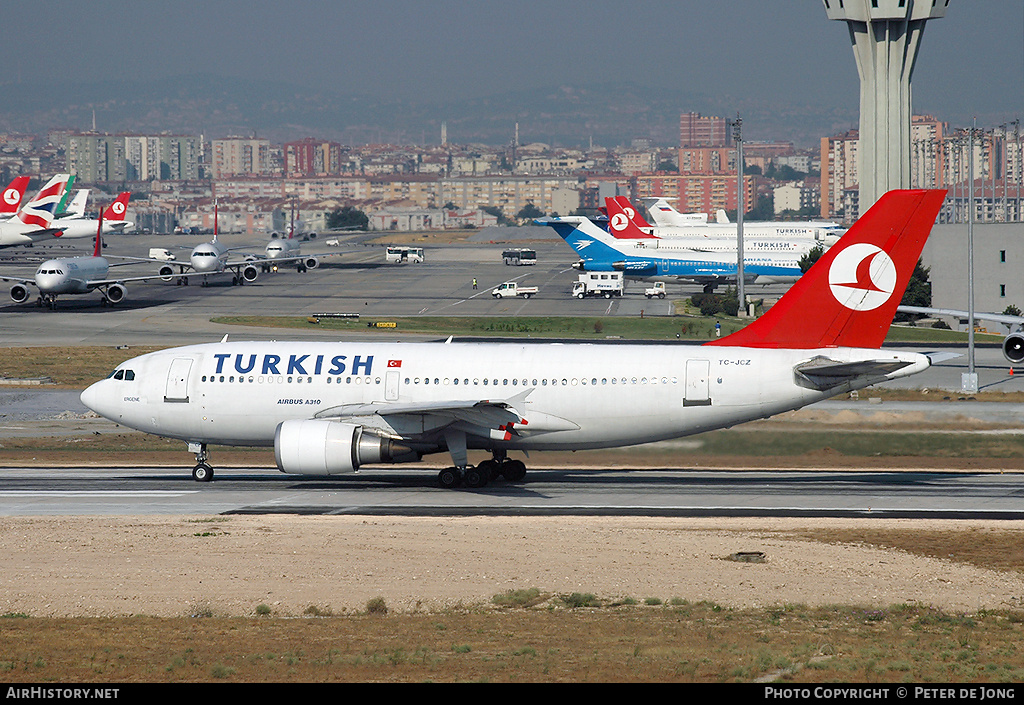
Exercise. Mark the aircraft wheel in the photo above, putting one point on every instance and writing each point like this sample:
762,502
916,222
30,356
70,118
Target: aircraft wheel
449,478
514,470
490,470
202,473
476,477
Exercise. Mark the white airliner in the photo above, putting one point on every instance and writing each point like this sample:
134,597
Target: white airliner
625,223
1013,344
76,225
285,250
211,258
34,221
670,223
74,275
328,408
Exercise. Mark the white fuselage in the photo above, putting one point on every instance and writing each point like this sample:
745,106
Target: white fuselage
284,247
86,227
70,275
14,232
579,396
209,257
820,233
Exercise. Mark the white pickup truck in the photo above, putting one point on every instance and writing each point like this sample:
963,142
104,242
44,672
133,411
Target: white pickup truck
657,290
513,289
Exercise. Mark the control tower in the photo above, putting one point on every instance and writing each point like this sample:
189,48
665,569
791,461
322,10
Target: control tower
886,35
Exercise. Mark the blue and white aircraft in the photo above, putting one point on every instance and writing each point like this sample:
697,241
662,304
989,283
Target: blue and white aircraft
661,259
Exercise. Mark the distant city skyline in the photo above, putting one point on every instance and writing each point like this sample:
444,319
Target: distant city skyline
746,52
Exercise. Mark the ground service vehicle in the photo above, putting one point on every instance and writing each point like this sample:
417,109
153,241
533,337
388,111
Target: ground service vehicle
161,253
509,289
658,289
519,256
606,284
402,255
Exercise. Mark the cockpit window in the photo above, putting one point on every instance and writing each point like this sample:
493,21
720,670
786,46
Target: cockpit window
126,375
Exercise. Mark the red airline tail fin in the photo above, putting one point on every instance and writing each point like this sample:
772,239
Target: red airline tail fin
623,220
98,249
116,210
849,297
12,195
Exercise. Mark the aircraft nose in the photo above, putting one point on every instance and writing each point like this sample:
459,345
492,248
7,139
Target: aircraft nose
93,397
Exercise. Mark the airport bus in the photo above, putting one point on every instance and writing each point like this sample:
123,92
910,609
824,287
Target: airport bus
401,255
519,256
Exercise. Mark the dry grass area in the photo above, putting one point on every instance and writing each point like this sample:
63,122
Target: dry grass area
682,642
529,634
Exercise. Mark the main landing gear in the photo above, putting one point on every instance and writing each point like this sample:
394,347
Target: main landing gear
202,472
480,475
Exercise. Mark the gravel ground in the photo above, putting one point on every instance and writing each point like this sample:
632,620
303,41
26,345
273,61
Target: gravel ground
173,566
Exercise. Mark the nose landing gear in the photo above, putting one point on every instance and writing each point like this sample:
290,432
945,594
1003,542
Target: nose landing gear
202,472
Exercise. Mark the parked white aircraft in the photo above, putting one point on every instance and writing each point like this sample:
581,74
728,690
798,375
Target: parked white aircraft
328,408
625,223
34,221
669,223
74,275
1013,344
76,225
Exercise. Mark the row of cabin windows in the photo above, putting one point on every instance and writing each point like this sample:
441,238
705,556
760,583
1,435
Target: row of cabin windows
565,381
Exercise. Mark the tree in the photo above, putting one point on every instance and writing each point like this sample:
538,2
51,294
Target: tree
347,217
529,212
918,293
812,256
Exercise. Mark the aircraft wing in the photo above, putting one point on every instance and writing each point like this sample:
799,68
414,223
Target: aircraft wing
1014,322
96,283
20,280
488,418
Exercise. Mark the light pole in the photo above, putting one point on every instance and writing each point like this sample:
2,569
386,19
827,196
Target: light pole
737,134
969,381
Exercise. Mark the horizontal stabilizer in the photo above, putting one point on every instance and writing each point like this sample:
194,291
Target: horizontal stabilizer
823,373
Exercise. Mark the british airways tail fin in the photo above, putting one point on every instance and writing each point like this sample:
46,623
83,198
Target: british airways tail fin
624,222
849,297
41,209
13,194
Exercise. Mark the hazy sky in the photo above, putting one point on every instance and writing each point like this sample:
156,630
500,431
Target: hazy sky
971,62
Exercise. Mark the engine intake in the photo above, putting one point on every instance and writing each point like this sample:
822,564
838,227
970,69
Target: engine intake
19,293
322,447
1013,348
115,293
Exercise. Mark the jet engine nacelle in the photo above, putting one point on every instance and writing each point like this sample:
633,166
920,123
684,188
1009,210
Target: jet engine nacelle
166,272
249,273
322,447
20,293
115,293
1013,347
312,263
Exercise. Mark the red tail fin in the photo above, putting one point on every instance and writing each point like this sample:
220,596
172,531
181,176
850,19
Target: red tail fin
116,210
12,195
623,220
849,297
98,249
